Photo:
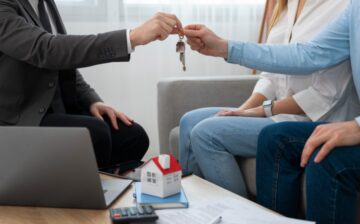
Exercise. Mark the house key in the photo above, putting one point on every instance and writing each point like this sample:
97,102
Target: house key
180,48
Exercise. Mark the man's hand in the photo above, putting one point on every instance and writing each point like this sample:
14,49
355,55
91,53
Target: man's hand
100,109
159,27
253,112
205,41
330,136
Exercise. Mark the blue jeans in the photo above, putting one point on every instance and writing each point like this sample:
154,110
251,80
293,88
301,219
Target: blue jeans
209,144
331,186
187,123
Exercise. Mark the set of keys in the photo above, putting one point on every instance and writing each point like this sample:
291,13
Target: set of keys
180,48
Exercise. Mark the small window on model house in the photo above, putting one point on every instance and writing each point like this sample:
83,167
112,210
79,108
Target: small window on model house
176,177
169,179
151,177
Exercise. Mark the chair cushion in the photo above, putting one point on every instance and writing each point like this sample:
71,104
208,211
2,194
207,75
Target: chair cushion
248,169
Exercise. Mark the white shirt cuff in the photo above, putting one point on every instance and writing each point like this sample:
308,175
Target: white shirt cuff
129,47
358,120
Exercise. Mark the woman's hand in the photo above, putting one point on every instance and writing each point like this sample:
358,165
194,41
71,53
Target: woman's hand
229,112
253,112
100,109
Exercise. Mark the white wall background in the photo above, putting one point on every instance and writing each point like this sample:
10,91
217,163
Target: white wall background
131,87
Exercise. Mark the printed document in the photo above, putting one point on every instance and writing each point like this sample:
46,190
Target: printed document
231,210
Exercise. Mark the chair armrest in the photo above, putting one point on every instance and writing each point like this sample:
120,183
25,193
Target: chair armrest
176,96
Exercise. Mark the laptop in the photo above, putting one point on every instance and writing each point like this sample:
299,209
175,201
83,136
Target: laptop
53,167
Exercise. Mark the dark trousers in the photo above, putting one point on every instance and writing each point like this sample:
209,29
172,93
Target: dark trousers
331,186
111,146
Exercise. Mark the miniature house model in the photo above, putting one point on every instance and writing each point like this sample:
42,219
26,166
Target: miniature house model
161,176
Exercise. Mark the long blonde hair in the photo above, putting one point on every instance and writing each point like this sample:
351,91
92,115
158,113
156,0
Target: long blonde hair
279,8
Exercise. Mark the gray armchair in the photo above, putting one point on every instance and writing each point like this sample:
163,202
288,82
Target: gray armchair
176,96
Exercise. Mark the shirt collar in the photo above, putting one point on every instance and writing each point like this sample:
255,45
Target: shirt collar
34,4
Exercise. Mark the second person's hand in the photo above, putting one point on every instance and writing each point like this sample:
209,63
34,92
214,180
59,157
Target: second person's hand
205,41
230,112
100,109
159,27
328,137
252,112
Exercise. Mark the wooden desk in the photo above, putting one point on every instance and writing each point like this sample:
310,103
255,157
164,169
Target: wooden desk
195,188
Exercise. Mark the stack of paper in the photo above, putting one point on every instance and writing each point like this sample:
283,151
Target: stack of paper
231,210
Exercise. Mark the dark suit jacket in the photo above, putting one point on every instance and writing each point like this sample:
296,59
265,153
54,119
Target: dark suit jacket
33,61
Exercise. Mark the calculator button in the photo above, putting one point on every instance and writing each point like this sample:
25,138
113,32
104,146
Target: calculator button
133,211
123,212
117,215
148,209
133,215
118,210
140,210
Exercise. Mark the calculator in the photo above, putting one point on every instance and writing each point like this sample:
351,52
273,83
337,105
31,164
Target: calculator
133,214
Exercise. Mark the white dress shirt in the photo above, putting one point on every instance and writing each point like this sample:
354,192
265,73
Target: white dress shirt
34,4
327,95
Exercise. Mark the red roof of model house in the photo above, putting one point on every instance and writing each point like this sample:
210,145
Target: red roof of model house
174,165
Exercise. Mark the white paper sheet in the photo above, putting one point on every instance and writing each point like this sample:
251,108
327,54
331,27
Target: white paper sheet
231,210
196,214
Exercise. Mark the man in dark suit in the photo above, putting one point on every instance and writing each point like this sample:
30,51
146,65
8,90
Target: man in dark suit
40,86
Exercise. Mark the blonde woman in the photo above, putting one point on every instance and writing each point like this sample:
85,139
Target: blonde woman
210,138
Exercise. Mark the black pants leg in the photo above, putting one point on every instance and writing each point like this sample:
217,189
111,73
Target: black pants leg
111,146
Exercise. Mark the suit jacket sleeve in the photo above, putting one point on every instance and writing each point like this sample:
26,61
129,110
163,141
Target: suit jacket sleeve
86,95
26,42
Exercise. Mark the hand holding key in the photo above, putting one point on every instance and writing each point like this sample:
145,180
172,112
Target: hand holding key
159,27
180,48
205,41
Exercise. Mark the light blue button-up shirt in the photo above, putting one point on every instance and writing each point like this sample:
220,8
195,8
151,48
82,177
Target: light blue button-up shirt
340,41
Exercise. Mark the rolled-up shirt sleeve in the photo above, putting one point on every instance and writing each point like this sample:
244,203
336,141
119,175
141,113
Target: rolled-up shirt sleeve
265,86
314,104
